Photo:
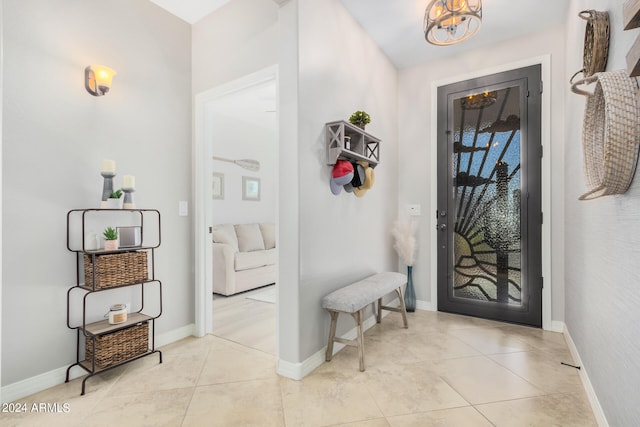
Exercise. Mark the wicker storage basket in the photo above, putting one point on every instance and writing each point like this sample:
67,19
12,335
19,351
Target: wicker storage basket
118,346
596,43
111,270
610,133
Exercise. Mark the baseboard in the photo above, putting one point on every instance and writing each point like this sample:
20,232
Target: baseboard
424,305
586,383
557,326
175,335
297,371
29,386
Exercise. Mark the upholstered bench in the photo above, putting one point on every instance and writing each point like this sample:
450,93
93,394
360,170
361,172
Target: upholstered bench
354,298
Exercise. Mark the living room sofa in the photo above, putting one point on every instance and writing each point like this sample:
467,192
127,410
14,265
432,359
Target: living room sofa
244,257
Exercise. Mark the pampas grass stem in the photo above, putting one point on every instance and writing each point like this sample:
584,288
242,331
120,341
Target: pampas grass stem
406,243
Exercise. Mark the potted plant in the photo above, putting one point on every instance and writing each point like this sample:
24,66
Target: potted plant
110,239
360,119
115,200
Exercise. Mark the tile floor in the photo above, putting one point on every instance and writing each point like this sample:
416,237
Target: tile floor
445,370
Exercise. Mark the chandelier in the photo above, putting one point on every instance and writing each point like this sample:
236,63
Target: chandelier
448,22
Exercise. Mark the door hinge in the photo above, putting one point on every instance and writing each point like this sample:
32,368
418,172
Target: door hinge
541,217
210,230
542,283
528,93
541,86
541,151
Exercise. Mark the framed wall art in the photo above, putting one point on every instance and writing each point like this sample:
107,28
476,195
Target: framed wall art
250,188
217,186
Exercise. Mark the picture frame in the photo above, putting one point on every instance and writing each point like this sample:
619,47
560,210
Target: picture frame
217,186
250,188
129,236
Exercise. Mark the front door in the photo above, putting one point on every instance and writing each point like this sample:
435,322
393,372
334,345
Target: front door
489,197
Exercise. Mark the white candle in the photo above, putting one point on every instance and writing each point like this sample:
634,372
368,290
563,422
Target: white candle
108,166
128,181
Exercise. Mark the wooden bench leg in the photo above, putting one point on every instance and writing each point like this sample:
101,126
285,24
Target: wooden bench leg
332,334
379,317
360,339
403,308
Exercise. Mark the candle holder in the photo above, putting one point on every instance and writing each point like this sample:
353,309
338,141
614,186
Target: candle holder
107,187
128,198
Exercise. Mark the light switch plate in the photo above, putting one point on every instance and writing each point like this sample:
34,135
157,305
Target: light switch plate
183,208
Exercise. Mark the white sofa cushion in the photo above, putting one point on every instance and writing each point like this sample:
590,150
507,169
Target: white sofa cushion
225,233
249,237
268,235
254,259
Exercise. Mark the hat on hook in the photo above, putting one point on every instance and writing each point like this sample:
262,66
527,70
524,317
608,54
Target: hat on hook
341,174
358,178
369,180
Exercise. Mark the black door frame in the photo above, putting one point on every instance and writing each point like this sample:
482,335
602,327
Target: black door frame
530,80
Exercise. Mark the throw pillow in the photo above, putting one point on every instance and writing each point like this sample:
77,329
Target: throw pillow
249,237
225,233
268,235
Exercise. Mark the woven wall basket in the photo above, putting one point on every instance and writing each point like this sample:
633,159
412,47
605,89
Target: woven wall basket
596,43
610,132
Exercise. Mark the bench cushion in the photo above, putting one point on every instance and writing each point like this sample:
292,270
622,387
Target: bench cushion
354,297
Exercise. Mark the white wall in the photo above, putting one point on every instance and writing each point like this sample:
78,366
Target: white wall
235,138
236,40
342,238
415,142
55,136
602,249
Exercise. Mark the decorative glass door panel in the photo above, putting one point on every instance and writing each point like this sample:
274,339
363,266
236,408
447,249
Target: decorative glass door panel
487,197
488,245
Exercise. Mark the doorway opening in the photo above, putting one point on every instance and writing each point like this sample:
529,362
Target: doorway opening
234,122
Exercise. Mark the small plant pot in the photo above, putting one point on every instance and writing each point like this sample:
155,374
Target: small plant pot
114,203
110,245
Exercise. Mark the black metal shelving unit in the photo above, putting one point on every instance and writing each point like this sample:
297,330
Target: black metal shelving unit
77,219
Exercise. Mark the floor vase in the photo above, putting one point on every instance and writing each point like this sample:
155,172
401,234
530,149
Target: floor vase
410,293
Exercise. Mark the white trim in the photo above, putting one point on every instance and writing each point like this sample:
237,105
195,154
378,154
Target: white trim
1,149
202,169
557,326
175,335
38,383
598,413
424,305
297,371
545,62
29,386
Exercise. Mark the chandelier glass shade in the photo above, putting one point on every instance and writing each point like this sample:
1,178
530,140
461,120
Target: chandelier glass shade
447,22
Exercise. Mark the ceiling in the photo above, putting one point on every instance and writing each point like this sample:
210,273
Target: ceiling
255,105
190,10
396,25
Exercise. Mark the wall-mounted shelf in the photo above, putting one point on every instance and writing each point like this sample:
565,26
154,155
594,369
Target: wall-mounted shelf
346,141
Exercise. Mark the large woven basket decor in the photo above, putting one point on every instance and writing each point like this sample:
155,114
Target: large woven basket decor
610,132
596,43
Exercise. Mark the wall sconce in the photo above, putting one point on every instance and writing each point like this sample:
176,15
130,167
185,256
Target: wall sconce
97,79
